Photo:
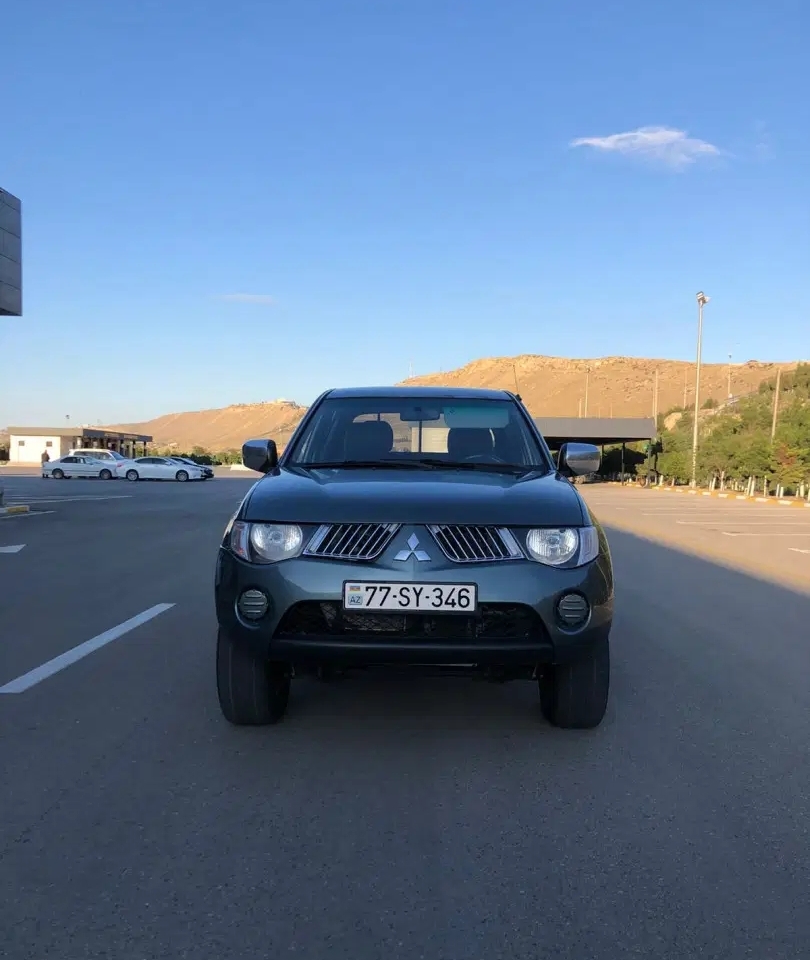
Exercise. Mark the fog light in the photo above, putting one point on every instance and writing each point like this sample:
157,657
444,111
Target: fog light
252,604
573,609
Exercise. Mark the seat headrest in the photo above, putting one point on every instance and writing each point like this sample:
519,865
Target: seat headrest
469,442
368,440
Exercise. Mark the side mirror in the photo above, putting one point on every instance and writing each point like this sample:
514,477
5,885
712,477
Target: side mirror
260,455
578,459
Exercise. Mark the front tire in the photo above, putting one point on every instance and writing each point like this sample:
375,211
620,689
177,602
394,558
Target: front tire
251,691
181,476
574,695
132,475
105,475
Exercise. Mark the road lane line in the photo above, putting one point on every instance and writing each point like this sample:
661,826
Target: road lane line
744,523
48,669
12,549
727,533
126,496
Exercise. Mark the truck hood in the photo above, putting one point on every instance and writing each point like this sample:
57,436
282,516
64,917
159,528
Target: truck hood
402,496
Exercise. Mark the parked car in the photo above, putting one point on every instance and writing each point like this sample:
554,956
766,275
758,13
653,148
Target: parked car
158,468
207,472
72,466
112,457
419,527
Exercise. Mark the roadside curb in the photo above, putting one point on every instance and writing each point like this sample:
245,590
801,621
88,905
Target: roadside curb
715,494
726,495
17,508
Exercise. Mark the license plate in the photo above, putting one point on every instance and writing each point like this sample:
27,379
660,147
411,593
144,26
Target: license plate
411,597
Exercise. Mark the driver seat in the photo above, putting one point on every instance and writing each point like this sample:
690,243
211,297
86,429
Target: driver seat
463,442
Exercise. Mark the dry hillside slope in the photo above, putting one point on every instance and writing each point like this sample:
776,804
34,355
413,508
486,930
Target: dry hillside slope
223,428
550,386
617,386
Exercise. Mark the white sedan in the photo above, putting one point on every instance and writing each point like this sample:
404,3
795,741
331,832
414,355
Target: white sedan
158,468
75,466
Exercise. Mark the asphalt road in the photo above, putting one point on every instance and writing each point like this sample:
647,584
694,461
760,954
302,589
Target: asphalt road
428,819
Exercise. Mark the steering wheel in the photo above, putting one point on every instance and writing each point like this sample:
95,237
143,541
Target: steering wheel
483,458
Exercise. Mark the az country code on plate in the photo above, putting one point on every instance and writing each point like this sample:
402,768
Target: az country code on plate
404,597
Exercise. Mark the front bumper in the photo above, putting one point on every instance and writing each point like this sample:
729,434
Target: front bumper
517,622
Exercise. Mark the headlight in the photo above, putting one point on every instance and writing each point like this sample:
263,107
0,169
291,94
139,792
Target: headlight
265,542
557,547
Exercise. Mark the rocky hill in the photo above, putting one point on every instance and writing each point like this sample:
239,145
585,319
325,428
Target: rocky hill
550,386
223,428
616,386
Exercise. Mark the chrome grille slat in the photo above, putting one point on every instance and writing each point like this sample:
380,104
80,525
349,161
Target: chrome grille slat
475,544
351,541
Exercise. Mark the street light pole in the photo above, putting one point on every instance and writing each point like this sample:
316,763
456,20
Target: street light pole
587,383
702,300
776,402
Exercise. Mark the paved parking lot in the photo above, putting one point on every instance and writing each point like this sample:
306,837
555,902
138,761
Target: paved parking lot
382,818
766,539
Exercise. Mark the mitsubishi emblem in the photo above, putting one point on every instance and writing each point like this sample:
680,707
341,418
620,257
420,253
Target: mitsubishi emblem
413,543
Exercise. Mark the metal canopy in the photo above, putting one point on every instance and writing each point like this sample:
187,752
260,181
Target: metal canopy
90,433
598,430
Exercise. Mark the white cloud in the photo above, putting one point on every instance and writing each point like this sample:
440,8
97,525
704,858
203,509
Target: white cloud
671,147
249,298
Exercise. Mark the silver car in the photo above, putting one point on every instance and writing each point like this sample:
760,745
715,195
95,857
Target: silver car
78,466
413,527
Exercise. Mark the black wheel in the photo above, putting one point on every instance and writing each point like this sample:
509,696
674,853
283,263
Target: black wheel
575,695
181,475
58,474
132,475
105,475
252,692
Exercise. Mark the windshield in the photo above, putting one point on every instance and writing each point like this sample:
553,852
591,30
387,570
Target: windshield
409,431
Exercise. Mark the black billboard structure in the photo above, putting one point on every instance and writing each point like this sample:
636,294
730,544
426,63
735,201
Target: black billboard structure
10,255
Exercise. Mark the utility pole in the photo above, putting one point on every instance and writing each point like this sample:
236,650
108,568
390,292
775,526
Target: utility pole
514,374
587,384
410,370
776,403
702,300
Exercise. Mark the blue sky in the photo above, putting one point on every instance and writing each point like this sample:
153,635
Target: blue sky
233,202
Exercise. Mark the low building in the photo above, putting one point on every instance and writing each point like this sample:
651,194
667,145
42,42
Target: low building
27,444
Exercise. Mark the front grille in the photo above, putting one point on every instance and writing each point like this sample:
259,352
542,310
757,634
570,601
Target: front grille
351,541
463,544
494,621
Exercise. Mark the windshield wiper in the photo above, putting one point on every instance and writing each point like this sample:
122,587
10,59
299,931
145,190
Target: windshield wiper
357,464
431,463
482,465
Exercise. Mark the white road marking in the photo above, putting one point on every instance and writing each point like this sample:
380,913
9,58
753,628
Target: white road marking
68,499
728,533
747,523
722,511
12,549
19,516
48,669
